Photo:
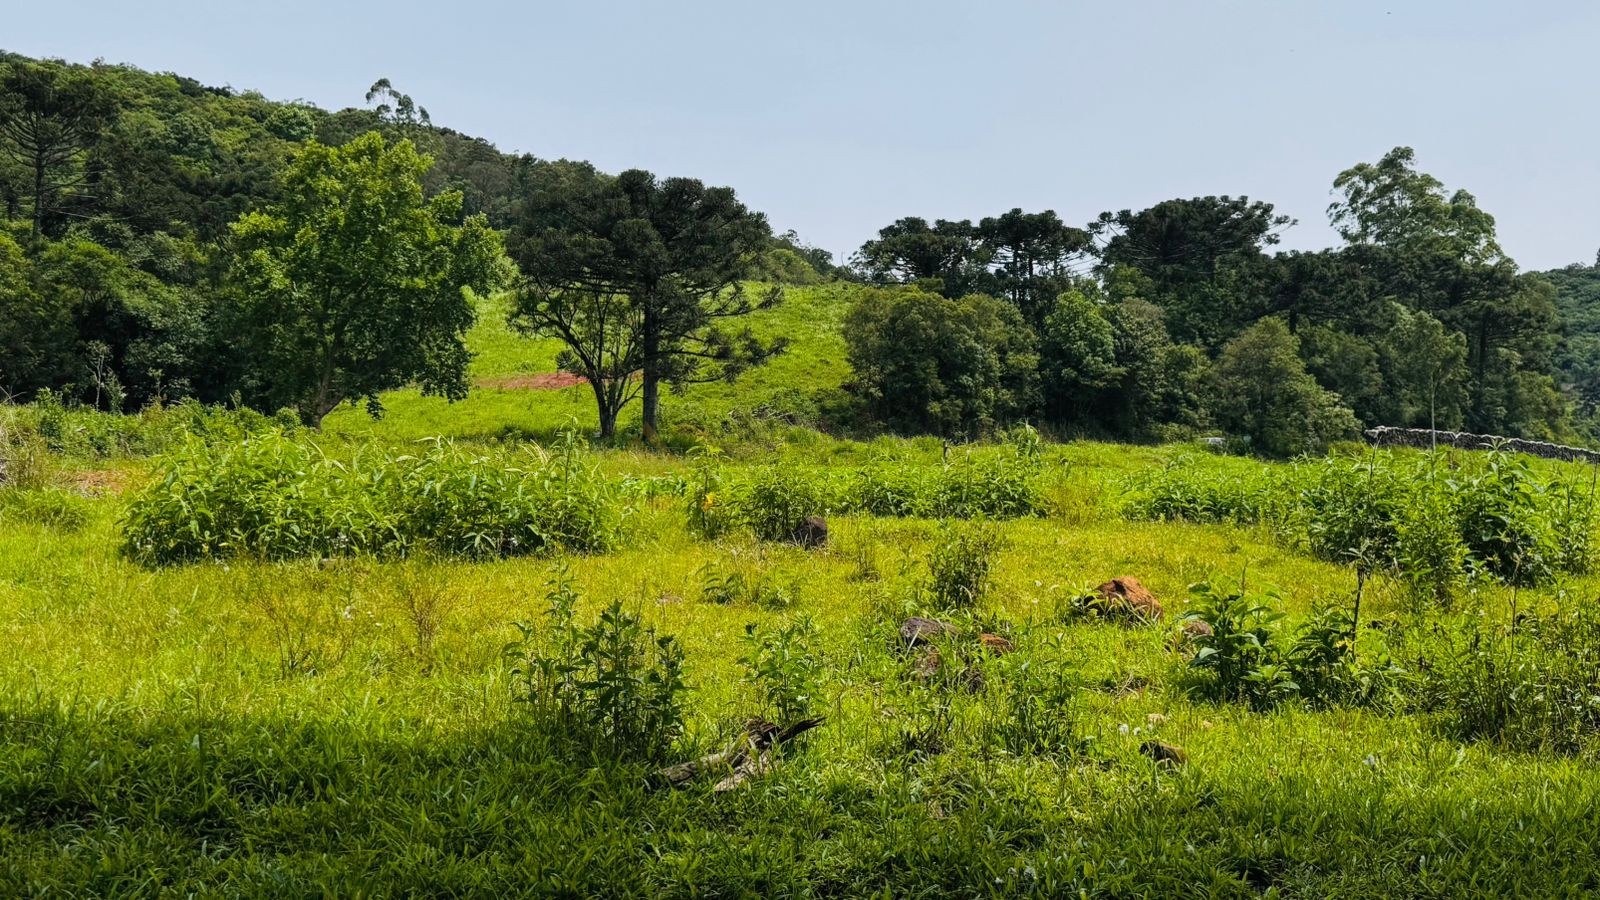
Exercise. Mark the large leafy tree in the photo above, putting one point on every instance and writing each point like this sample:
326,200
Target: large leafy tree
37,342
638,275
1261,390
1203,259
1435,250
925,363
50,115
1077,356
353,284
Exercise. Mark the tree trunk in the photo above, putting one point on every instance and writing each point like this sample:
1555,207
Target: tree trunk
608,411
651,396
38,197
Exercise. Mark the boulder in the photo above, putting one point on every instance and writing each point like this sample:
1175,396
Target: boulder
1164,754
995,644
812,532
927,664
917,631
1125,598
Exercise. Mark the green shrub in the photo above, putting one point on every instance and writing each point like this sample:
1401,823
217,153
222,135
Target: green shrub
960,563
1502,514
611,689
1189,490
1240,655
1534,687
51,507
782,668
276,498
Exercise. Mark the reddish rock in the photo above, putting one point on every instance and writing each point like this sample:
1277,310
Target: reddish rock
1164,754
995,644
917,630
1125,597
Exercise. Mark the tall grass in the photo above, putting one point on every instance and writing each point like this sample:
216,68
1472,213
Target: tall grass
274,497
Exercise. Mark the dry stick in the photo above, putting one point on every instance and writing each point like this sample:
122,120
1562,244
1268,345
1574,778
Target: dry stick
748,756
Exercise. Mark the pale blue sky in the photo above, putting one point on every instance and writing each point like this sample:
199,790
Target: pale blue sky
836,118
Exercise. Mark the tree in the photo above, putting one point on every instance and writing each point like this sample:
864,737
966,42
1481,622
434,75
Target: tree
1436,251
1390,204
352,284
911,250
1426,366
1202,257
925,363
37,343
1033,255
1260,390
637,274
1077,355
50,114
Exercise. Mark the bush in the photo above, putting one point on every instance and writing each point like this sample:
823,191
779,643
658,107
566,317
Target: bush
1430,525
780,665
51,507
925,363
1533,687
960,563
276,498
611,689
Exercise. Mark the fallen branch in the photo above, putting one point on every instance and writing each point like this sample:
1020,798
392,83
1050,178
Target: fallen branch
749,755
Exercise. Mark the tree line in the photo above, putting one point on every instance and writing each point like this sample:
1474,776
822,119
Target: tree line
164,239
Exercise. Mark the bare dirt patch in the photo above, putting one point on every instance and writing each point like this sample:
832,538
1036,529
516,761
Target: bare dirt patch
545,381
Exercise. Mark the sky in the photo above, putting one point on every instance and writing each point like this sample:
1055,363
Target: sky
836,118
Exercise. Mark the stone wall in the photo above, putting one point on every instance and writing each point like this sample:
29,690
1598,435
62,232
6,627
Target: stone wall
1424,438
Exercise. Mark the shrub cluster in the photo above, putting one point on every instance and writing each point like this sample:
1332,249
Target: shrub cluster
1534,686
273,497
614,688
772,501
1243,655
88,433
1432,521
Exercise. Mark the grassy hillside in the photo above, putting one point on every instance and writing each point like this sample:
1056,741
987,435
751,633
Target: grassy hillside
815,362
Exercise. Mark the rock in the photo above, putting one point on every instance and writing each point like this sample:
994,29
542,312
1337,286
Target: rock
812,532
1125,598
1190,632
917,630
1164,754
926,664
995,644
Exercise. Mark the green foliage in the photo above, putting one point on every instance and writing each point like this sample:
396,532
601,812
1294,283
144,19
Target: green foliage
782,667
1240,655
637,275
608,690
353,284
772,501
924,363
1260,390
273,497
51,507
960,565
1432,526
1533,687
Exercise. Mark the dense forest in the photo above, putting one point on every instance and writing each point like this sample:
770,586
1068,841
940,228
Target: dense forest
166,239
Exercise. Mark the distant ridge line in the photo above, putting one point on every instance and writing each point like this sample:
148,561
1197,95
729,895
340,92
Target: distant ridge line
1424,438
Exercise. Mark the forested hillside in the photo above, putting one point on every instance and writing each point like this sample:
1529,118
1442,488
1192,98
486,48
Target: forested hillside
132,270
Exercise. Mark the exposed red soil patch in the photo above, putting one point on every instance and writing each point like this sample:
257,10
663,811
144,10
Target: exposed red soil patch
94,484
546,381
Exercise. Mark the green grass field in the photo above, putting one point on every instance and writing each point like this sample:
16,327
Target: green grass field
346,727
